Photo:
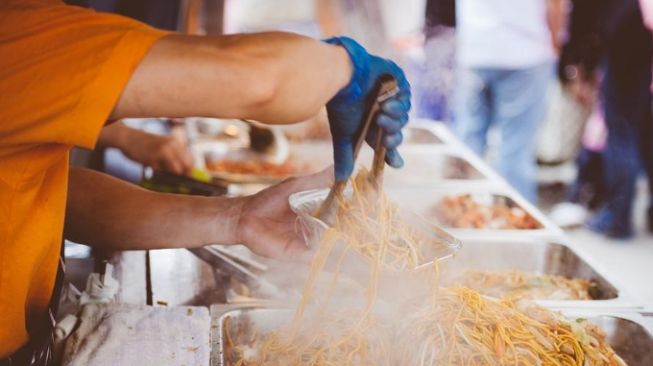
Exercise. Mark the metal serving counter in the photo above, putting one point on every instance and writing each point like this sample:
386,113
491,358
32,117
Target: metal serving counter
431,154
437,166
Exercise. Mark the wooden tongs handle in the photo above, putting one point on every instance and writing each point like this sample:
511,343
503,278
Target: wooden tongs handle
386,88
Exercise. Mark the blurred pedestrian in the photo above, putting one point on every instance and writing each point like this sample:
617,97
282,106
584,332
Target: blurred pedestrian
434,86
624,54
505,55
588,190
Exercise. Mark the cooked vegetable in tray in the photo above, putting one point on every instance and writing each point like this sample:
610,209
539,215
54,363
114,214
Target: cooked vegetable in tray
515,284
483,212
252,167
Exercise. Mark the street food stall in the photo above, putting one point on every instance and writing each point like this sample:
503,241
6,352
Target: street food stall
504,268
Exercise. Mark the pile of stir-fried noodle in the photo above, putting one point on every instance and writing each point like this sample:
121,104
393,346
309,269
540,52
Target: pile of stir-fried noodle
439,326
517,284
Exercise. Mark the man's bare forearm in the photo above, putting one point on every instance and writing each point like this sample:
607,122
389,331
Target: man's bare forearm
272,77
108,213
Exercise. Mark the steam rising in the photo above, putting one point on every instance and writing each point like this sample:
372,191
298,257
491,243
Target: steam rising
369,299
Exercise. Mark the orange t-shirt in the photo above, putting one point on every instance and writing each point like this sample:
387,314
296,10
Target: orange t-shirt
62,70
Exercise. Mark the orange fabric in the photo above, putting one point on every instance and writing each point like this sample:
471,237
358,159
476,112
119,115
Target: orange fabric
62,70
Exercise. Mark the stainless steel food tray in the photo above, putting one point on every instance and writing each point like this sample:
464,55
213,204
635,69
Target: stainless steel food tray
305,157
428,164
434,128
423,162
266,319
424,199
419,135
628,333
440,160
530,256
539,257
457,147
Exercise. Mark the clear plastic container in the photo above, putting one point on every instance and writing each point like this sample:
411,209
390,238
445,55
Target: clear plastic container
441,244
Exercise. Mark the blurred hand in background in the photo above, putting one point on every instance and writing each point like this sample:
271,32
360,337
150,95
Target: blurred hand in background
168,153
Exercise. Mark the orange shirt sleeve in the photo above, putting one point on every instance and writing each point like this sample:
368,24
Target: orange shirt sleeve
62,70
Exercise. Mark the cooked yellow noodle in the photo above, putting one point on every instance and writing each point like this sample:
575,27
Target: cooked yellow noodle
457,326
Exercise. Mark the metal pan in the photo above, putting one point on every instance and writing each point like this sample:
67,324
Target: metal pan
435,128
292,160
528,256
536,257
419,135
245,156
424,163
428,164
627,333
435,203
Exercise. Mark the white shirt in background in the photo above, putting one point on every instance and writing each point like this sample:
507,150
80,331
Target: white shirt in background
264,15
508,34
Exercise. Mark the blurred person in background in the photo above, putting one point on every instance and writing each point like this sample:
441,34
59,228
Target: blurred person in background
311,18
580,58
610,36
505,54
587,192
434,85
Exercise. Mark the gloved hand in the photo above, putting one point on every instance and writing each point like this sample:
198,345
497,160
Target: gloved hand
346,109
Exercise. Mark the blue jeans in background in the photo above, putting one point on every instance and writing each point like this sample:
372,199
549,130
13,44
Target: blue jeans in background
628,150
515,102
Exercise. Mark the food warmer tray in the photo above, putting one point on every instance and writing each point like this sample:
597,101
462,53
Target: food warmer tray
422,162
628,333
427,164
419,135
539,257
529,256
424,198
457,147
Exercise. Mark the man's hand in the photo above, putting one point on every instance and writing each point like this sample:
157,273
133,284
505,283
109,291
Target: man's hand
167,153
346,109
267,224
108,213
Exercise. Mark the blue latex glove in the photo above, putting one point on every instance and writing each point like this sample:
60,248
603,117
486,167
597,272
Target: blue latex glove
346,109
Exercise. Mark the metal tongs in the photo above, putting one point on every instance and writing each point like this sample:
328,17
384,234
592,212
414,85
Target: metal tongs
386,88
241,267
